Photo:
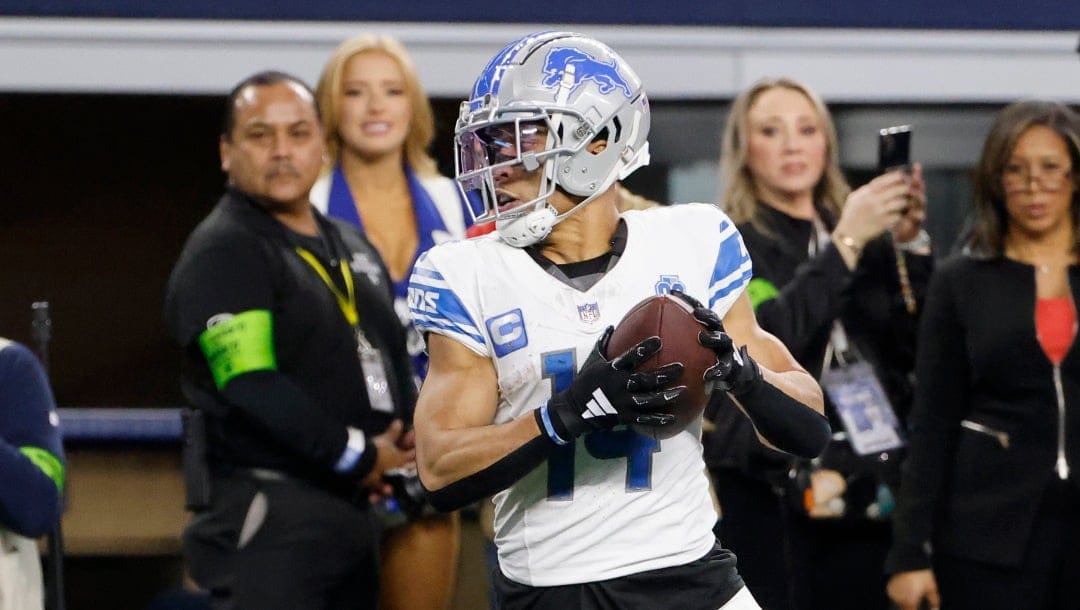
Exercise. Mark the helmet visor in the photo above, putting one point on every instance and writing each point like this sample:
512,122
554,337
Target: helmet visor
499,149
494,145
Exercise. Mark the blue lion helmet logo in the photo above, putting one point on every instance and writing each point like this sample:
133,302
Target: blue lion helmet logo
586,67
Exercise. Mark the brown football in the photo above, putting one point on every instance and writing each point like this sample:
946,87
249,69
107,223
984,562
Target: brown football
673,321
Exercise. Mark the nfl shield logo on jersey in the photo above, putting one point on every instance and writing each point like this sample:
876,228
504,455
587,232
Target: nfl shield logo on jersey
589,312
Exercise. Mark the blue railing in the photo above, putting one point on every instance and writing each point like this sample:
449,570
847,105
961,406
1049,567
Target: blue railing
120,425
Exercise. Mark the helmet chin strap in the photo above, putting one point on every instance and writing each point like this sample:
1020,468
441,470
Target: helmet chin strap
528,229
534,227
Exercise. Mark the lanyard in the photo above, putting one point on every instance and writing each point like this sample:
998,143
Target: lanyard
347,303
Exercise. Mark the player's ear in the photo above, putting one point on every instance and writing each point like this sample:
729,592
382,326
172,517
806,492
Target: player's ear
596,146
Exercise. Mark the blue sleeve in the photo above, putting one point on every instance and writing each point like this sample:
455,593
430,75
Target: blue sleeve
732,270
31,453
436,308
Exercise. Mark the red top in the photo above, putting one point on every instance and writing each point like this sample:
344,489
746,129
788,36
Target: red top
1055,326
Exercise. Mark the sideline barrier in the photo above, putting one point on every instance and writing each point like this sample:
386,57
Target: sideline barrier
125,491
111,425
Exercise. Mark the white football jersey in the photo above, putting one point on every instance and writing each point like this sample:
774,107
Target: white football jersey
614,502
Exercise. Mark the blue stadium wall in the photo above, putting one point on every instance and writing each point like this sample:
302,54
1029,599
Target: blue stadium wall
1058,15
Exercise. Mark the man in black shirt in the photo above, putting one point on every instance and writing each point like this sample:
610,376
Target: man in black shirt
295,357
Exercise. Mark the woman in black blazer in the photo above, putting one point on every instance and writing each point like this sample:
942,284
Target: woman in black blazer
988,514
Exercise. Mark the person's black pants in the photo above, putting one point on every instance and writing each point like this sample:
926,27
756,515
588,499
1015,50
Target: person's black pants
268,545
707,583
755,526
791,562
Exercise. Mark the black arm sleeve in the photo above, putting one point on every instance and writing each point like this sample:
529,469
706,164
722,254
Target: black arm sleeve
785,422
494,478
274,403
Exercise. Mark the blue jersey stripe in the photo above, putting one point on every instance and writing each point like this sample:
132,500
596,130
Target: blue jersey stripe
427,323
733,269
420,272
433,304
448,309
734,282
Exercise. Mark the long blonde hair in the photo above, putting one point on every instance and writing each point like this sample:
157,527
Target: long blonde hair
739,196
421,123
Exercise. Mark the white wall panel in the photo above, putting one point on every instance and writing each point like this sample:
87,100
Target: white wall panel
147,56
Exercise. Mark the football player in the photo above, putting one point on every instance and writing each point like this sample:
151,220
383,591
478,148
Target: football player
524,401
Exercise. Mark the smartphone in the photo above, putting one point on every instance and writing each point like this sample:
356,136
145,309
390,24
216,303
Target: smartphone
894,148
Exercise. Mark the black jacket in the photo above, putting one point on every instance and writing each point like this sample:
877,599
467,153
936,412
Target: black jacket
293,418
811,293
975,493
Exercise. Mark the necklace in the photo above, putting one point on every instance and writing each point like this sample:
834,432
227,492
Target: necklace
1045,256
905,281
1042,268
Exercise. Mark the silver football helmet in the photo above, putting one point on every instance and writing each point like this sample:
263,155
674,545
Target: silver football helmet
571,89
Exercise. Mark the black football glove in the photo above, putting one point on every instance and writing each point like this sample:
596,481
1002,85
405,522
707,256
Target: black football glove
785,422
735,371
605,393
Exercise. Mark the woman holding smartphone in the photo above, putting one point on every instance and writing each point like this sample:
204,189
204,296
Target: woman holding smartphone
827,282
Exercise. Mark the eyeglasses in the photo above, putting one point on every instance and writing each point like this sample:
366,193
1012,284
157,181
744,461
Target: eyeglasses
1050,176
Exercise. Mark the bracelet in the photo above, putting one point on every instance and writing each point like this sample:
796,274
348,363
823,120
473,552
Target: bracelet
354,448
544,417
848,242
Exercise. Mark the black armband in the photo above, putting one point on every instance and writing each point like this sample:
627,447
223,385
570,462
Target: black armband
788,424
272,402
494,478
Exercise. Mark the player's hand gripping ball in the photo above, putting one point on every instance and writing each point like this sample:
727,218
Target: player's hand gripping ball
672,320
